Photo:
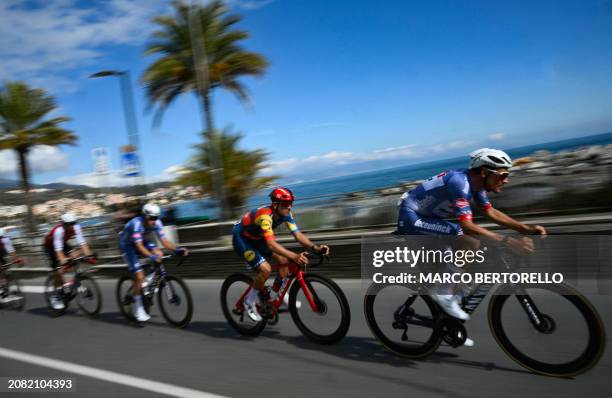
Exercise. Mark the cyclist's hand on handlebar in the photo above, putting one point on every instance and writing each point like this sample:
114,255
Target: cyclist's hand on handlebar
321,249
91,260
181,251
301,258
155,258
538,230
521,246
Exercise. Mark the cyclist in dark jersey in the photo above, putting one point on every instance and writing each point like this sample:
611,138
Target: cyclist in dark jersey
425,211
255,242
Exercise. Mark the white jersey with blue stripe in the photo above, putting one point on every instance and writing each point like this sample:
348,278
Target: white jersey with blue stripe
136,230
445,195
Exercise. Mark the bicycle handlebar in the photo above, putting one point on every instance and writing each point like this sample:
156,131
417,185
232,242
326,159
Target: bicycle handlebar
312,256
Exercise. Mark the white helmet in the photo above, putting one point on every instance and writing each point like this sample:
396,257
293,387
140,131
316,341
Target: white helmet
491,158
68,218
151,210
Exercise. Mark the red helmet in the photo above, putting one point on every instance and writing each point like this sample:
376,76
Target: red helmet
282,194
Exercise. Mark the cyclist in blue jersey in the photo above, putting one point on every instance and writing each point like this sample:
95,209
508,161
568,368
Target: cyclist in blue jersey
137,237
426,210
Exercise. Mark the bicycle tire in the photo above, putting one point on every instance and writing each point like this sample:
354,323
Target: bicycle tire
589,357
181,323
418,351
96,292
49,291
125,300
13,287
345,317
252,331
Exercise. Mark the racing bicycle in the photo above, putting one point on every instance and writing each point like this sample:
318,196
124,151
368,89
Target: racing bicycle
325,319
82,287
173,295
11,296
549,329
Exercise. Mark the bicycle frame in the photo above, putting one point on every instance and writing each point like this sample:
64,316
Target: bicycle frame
295,272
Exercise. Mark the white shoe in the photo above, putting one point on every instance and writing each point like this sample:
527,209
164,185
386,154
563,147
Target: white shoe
56,303
449,304
8,299
141,315
468,342
252,311
298,303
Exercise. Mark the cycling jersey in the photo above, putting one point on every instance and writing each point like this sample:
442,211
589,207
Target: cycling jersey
6,246
136,230
448,194
251,232
259,224
57,238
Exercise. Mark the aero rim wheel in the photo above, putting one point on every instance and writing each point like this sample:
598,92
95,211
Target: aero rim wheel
175,301
569,340
402,320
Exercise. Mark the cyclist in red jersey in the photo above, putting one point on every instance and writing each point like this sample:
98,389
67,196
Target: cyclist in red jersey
255,242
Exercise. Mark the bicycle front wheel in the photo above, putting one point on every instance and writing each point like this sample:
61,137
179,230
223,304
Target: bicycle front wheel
88,296
548,329
402,320
330,322
175,301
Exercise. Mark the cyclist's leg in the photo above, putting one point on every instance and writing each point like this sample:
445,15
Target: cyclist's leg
248,251
130,256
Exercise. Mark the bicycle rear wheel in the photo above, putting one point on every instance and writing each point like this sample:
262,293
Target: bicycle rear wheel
125,299
175,301
88,295
232,292
50,291
13,296
568,340
332,318
402,320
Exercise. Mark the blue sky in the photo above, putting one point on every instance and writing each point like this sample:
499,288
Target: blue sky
359,82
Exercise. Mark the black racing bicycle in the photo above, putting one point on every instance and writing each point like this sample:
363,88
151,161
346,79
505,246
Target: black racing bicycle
550,329
82,288
11,295
173,295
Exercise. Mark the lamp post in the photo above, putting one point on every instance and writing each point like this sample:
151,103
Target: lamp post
127,98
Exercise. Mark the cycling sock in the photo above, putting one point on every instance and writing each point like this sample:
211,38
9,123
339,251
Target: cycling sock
138,301
252,296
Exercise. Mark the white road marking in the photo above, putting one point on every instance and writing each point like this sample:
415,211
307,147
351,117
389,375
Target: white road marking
33,289
112,377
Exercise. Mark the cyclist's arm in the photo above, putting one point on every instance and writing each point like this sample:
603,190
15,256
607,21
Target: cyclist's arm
167,243
470,228
277,248
308,244
142,249
501,218
78,235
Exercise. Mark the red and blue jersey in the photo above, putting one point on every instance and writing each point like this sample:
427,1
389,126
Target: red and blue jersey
446,195
260,224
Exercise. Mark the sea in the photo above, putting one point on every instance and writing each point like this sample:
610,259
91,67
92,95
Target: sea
316,191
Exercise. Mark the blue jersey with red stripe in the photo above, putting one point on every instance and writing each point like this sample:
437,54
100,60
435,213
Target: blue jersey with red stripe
446,195
136,230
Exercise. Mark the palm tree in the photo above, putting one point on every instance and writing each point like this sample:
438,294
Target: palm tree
23,126
242,168
199,50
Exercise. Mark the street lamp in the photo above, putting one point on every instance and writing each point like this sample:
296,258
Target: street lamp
127,98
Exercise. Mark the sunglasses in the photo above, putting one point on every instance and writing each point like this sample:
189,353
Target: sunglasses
153,218
501,175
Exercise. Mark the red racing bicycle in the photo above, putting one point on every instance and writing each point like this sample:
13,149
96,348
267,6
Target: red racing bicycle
324,318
